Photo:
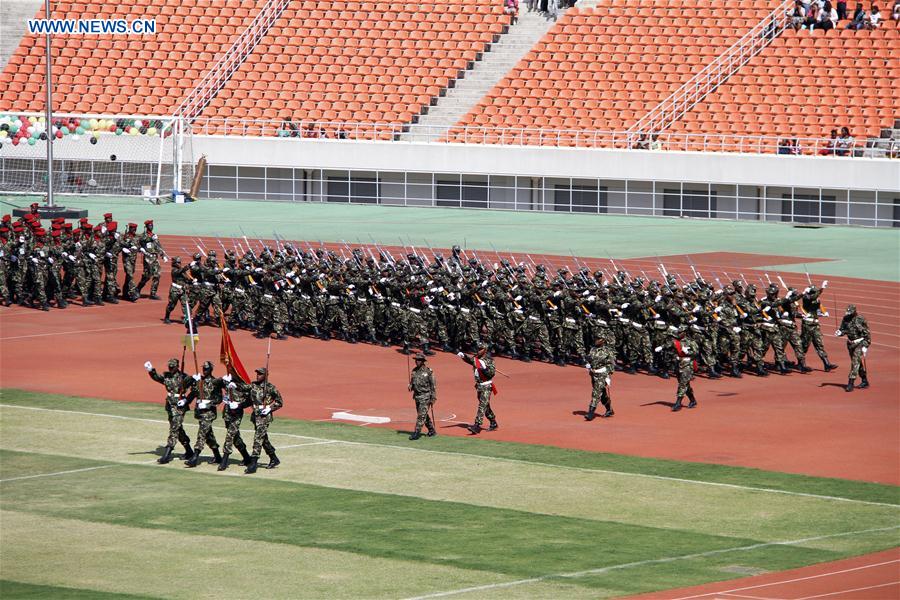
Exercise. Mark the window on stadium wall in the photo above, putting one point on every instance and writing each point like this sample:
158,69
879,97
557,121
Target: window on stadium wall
896,215
580,198
690,203
359,190
807,208
459,193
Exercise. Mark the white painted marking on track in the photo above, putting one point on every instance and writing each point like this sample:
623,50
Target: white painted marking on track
81,331
365,419
807,578
497,458
642,563
859,589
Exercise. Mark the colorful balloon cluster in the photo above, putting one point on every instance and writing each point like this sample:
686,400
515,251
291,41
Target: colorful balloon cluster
20,129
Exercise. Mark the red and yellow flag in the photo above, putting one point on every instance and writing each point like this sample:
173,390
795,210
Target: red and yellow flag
228,355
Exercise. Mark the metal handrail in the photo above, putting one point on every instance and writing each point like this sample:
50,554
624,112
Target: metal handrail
695,89
219,74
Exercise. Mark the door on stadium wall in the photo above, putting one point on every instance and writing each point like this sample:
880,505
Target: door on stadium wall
690,203
807,208
461,193
579,198
353,190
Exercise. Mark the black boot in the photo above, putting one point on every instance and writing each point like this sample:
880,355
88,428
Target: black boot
630,369
865,381
590,414
714,373
193,460
426,349
223,464
782,368
801,364
61,303
431,431
45,307
154,297
188,453
677,405
416,434
273,461
664,373
525,356
828,366
474,429
406,348
166,457
736,370
761,371
446,347
558,359
166,319
217,458
693,401
245,456
251,468
113,300
849,386
609,412
651,369
494,426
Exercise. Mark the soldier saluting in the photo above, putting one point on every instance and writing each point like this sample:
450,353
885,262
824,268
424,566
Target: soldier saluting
484,372
176,383
423,387
855,327
265,400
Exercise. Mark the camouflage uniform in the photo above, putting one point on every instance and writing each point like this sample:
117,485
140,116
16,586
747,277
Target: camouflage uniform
207,395
150,249
234,401
601,365
424,389
810,331
484,371
177,404
686,351
855,327
265,400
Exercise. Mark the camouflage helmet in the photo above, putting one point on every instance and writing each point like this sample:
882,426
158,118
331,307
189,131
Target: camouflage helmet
207,366
174,363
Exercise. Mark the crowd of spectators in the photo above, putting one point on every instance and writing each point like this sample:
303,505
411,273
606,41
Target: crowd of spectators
822,14
551,9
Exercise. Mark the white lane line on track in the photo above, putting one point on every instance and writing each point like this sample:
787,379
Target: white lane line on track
81,331
499,459
642,563
859,589
807,578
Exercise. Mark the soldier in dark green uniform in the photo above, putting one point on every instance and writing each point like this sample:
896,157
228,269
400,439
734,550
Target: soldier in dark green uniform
234,401
686,350
856,329
601,364
423,387
207,395
177,384
265,400
484,371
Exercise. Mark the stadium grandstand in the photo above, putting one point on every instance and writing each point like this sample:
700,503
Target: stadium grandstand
437,79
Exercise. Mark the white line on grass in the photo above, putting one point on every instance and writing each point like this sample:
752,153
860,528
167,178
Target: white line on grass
807,578
503,459
70,471
642,563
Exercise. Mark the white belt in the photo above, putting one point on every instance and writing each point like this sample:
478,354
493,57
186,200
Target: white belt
570,320
768,325
465,310
600,371
601,322
697,328
486,383
626,321
175,285
687,360
415,310
787,322
395,304
534,318
660,323
207,283
268,296
332,297
304,296
361,299
810,319
637,325
432,307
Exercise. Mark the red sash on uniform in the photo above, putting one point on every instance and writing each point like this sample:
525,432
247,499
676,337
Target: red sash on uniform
681,354
482,377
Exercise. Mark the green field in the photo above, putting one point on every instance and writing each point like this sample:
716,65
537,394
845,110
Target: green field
363,513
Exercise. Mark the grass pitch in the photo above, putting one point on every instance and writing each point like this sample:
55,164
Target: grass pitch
364,513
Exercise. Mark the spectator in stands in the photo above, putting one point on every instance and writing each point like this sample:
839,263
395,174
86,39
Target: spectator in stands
827,17
842,9
859,18
874,18
642,143
288,129
341,134
310,131
511,7
895,14
812,16
654,144
831,147
798,16
844,146
784,146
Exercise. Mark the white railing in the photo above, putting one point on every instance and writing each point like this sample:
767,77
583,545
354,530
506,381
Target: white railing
219,74
673,107
299,131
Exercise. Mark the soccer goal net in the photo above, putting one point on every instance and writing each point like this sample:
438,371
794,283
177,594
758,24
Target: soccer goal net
94,154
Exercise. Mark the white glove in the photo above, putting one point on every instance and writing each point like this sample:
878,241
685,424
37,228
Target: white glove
658,349
148,366
232,385
718,309
602,370
658,298
233,405
626,305
607,381
165,259
736,329
50,260
461,354
266,410
181,402
824,284
34,260
109,254
806,290
587,366
126,250
696,309
196,376
865,350
227,378
838,333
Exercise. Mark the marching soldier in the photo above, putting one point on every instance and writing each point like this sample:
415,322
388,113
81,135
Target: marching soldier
423,387
265,400
601,364
856,329
150,248
207,395
686,350
484,371
810,331
234,401
177,384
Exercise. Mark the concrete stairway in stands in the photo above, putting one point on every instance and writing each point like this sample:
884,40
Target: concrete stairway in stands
479,80
887,145
14,15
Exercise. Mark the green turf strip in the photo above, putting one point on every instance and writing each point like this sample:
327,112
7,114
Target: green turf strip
514,543
755,478
15,590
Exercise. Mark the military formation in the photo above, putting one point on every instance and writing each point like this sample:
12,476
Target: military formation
41,268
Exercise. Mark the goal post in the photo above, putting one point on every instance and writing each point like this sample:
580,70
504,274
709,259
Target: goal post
113,155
